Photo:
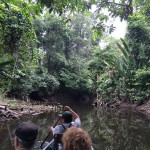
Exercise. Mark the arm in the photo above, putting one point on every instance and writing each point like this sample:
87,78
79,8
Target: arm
51,130
55,130
75,115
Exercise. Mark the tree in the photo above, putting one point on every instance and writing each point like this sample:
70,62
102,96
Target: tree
139,39
17,39
122,8
68,47
54,38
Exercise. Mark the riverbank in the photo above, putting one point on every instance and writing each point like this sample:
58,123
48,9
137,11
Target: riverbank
143,109
14,109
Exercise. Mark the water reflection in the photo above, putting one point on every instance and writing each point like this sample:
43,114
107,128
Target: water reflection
109,130
123,131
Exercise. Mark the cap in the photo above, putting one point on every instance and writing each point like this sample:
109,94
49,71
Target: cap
27,131
67,116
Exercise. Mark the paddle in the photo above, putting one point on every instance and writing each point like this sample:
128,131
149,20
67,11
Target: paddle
50,132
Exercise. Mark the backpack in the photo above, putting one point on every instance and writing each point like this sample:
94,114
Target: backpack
58,137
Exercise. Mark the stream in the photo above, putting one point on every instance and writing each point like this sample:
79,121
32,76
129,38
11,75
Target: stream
108,129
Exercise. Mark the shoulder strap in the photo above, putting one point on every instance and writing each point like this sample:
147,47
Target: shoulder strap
58,136
70,125
63,126
67,127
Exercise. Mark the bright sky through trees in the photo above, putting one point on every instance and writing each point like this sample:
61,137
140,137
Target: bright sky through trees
121,26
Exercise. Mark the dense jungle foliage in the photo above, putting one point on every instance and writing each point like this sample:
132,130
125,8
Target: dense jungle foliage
52,47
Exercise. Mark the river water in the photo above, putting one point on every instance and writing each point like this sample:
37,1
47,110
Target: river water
109,130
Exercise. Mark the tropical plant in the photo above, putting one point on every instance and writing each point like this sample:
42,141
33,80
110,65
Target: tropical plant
138,38
35,83
115,71
141,85
6,62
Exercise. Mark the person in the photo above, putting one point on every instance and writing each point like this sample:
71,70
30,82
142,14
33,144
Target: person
76,139
66,121
25,136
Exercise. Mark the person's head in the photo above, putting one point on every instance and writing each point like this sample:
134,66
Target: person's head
25,136
67,117
76,139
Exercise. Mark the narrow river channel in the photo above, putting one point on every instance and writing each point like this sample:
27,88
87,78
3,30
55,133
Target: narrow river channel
108,129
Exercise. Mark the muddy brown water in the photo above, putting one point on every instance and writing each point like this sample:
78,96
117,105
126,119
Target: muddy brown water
108,129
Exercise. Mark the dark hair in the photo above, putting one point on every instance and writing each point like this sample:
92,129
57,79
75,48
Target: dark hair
67,116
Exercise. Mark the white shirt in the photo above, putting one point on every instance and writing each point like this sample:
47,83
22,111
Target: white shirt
60,128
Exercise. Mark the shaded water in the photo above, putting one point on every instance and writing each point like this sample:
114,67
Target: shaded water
109,130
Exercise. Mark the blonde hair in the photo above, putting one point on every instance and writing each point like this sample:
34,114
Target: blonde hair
76,139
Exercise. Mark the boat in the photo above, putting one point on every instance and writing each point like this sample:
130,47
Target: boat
46,145
49,146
